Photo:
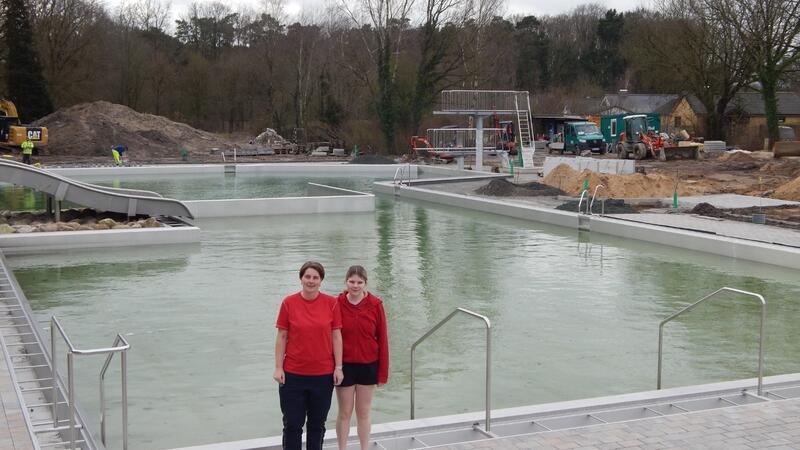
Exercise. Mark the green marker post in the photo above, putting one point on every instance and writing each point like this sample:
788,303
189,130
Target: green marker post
675,199
586,184
511,166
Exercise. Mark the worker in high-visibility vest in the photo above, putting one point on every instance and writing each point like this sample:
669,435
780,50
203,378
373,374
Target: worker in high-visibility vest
27,151
116,152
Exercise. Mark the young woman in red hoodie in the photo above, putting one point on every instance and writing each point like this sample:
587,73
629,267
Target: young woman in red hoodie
365,349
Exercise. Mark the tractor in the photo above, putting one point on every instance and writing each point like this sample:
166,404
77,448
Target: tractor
642,143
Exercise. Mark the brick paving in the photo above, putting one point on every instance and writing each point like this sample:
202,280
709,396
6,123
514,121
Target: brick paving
13,431
769,425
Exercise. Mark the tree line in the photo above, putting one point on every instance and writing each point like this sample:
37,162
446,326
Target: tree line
370,71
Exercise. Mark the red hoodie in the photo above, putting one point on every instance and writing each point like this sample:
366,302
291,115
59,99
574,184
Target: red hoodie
364,336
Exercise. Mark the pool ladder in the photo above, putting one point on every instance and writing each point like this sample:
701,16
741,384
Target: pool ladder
488,387
402,175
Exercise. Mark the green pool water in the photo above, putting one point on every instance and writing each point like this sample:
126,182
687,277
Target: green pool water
573,315
192,187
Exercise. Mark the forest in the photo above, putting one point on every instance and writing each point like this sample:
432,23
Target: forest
370,71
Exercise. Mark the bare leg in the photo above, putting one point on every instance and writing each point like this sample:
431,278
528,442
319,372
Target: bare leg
345,397
363,404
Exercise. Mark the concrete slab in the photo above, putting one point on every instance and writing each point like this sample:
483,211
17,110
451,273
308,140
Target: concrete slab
729,201
740,230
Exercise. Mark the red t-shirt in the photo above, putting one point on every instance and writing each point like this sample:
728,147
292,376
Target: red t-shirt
364,336
309,348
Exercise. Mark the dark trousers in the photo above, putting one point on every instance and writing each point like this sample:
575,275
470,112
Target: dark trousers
26,158
305,396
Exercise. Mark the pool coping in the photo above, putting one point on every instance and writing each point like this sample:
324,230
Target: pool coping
751,250
444,422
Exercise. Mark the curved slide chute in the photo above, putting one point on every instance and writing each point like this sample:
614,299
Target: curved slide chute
126,201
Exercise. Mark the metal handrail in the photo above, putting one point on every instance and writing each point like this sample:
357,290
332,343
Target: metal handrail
580,201
690,307
55,325
488,324
591,204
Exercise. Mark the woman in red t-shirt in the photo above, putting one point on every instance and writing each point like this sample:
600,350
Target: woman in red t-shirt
365,347
308,359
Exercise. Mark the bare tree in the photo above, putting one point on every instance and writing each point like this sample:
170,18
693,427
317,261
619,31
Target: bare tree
711,56
382,24
770,32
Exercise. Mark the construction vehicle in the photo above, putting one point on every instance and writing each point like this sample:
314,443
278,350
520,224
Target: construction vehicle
642,143
578,137
13,133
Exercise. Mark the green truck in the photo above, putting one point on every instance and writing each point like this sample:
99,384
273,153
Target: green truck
577,137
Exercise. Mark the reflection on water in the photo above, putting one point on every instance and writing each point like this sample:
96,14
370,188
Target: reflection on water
566,324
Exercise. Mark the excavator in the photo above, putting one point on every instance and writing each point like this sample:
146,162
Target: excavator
642,143
13,133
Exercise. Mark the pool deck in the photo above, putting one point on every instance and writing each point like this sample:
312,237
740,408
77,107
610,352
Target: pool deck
13,431
773,425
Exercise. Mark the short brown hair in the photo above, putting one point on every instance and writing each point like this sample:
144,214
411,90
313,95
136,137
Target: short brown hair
313,265
358,271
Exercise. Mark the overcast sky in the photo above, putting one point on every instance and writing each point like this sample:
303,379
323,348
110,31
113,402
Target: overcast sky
523,7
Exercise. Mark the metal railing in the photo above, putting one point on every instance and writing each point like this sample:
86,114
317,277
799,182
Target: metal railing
603,203
455,139
56,326
400,173
584,193
711,295
488,324
479,100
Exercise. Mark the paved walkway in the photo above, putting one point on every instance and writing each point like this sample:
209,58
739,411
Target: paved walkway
13,431
771,425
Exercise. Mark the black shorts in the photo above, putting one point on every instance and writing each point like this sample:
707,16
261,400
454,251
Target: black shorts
363,374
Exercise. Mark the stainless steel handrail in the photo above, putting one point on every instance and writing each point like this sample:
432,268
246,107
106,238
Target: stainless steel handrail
55,325
580,201
591,204
690,307
488,324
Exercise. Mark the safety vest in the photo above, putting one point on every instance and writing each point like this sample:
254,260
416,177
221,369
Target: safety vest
27,148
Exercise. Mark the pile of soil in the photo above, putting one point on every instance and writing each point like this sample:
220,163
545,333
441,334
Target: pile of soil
371,159
707,209
787,167
788,191
505,188
635,185
737,156
612,206
91,129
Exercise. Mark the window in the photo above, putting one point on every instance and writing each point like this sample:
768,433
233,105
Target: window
677,121
614,127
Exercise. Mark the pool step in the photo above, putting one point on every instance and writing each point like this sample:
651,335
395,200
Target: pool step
30,371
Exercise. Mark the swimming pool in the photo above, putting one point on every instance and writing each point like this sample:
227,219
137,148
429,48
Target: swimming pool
574,316
194,187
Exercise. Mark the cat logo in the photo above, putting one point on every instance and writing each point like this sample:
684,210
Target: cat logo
35,134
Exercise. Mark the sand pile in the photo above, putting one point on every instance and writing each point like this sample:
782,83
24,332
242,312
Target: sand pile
91,129
737,156
789,191
617,186
505,188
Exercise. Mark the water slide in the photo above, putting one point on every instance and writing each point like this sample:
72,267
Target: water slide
125,201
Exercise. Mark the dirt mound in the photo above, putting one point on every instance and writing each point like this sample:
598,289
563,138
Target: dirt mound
789,191
707,209
371,159
505,188
612,206
634,185
737,156
91,129
787,167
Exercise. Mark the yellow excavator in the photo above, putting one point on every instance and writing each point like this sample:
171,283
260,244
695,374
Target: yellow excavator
13,133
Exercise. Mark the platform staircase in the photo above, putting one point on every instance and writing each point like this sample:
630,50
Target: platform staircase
522,103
